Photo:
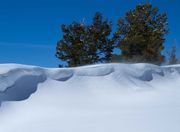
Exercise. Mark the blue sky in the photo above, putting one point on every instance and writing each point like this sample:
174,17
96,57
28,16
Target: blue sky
30,29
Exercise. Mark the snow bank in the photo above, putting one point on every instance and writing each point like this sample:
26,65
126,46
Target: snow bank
105,97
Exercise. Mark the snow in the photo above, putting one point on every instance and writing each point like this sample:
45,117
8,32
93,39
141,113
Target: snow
96,98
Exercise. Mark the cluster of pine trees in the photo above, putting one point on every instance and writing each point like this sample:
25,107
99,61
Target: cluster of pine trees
140,36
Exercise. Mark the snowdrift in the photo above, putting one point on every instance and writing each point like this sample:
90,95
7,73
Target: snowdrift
98,98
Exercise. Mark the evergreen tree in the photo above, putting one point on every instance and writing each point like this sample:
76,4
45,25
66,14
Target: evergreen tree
83,44
100,33
70,47
140,35
172,56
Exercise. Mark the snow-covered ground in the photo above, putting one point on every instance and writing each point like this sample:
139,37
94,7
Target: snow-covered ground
97,98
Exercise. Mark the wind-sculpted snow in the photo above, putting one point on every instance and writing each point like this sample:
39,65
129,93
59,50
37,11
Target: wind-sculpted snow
101,70
22,88
20,81
96,98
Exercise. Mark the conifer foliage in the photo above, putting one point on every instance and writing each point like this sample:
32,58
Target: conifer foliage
83,44
141,34
172,56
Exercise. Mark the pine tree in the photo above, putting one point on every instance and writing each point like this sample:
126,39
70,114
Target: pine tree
83,44
141,34
100,33
70,48
172,56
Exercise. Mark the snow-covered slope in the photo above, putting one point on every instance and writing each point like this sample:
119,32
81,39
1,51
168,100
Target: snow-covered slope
96,98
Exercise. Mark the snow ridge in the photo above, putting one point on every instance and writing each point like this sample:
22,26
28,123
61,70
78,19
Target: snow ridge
18,82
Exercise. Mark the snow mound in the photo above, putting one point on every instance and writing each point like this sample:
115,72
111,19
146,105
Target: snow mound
105,97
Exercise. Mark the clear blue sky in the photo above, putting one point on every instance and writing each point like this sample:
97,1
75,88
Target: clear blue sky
30,29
